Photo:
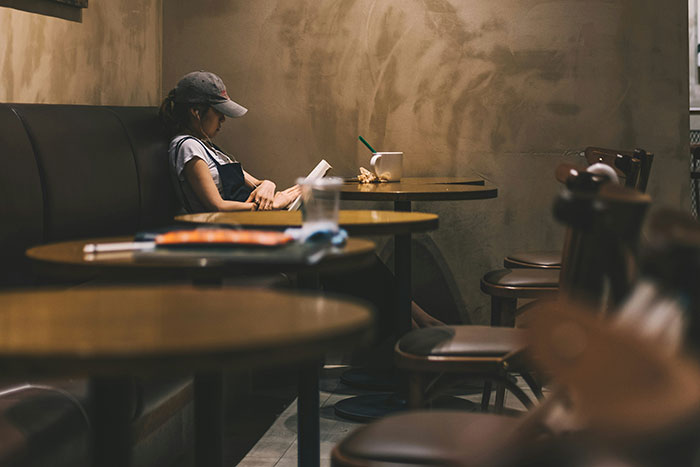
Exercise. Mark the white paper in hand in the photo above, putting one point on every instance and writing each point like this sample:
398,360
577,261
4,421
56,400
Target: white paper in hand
318,172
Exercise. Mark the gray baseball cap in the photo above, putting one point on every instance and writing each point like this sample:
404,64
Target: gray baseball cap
202,87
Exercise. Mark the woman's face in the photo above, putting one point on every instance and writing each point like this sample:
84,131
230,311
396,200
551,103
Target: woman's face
211,122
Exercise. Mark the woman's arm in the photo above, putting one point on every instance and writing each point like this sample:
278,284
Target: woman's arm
264,192
284,198
197,175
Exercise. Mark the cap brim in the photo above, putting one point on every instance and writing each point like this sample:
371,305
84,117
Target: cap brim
230,108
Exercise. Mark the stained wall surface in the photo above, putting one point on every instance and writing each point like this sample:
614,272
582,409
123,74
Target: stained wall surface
505,89
112,57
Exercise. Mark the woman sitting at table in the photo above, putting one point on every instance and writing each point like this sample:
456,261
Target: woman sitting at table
209,179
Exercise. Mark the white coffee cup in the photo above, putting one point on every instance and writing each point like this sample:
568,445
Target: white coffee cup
387,165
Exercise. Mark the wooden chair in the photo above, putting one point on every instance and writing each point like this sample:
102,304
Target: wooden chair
603,223
633,167
651,401
506,286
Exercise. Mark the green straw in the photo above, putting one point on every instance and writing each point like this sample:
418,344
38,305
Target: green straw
367,144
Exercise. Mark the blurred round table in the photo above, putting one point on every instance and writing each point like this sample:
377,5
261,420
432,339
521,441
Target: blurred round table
67,260
111,334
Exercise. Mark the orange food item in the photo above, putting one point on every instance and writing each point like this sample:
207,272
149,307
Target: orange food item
223,237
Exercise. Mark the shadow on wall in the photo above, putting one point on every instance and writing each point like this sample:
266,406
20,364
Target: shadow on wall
434,286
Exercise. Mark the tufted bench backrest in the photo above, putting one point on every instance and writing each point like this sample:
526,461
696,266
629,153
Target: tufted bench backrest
72,171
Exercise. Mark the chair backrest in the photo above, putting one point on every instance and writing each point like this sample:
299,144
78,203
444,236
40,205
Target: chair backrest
604,222
633,166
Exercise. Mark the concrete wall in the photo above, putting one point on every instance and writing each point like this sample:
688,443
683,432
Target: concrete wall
112,57
504,89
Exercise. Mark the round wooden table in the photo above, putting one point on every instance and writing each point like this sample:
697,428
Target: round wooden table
67,260
417,189
403,193
355,222
473,180
111,334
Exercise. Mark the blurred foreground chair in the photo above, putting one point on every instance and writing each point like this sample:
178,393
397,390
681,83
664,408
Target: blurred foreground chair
617,393
632,168
603,224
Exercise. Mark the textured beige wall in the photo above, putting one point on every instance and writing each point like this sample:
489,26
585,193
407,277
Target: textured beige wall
112,57
504,89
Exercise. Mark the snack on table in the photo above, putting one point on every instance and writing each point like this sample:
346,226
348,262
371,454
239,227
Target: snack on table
222,237
366,176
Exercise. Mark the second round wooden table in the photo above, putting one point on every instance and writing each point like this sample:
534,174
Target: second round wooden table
113,333
355,222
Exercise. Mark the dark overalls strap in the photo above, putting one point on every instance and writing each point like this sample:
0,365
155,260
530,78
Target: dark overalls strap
176,179
230,175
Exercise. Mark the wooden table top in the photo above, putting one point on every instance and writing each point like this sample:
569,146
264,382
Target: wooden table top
356,222
96,331
415,191
473,180
67,260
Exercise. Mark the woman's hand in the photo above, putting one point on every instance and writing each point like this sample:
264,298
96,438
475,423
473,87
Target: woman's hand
264,195
284,198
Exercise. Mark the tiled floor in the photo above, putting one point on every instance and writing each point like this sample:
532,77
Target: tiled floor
278,447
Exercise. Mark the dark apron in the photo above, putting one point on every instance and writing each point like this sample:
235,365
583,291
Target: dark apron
230,175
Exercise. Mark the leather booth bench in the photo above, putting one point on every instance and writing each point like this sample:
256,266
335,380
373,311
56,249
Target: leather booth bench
68,172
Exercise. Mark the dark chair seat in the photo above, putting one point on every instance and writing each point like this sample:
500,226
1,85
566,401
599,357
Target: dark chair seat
521,283
460,341
533,259
423,438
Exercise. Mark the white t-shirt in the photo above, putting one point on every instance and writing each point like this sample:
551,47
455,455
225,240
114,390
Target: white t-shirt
190,148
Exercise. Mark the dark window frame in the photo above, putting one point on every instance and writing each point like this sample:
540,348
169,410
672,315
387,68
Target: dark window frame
71,10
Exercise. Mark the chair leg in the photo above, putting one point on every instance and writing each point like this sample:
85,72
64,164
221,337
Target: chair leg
486,396
533,384
500,398
416,399
503,311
